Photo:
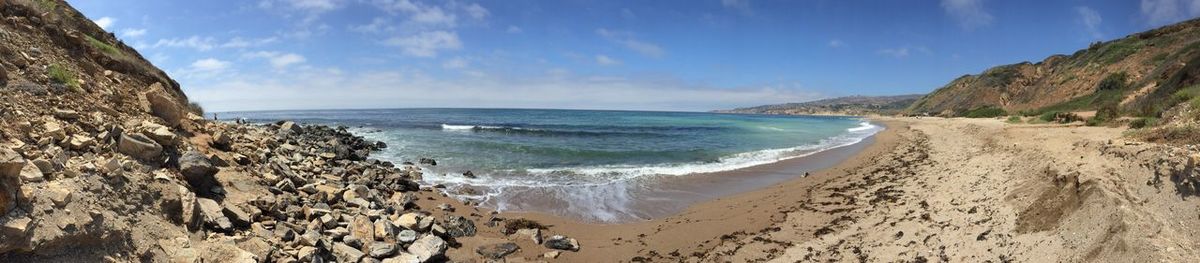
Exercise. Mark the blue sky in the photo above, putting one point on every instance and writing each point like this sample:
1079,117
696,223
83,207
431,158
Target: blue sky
644,55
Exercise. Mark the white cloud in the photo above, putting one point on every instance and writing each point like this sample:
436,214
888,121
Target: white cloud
556,88
1090,19
514,29
628,14
278,60
1162,12
903,52
210,64
606,61
426,44
455,63
969,13
195,42
105,22
377,25
238,42
476,11
133,32
627,39
312,9
422,14
836,43
740,5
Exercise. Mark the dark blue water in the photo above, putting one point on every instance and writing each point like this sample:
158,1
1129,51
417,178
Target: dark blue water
567,149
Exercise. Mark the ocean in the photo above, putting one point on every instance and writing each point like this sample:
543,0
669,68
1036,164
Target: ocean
601,166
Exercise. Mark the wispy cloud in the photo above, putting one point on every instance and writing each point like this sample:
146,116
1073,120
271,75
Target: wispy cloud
455,63
239,42
311,9
105,22
278,60
426,44
514,30
904,52
1162,12
606,61
133,32
1090,19
836,43
194,42
969,14
742,6
628,40
210,64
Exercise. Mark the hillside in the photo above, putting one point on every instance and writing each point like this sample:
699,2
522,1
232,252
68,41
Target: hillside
1146,74
103,159
852,105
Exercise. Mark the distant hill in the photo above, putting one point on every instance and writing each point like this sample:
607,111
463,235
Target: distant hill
852,105
1142,75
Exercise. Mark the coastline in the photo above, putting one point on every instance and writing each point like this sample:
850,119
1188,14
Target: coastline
693,230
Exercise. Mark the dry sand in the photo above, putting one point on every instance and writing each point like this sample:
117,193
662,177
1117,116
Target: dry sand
974,190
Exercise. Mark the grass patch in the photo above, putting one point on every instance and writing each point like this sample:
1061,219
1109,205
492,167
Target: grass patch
985,112
1109,91
1013,119
1143,122
64,76
103,47
1115,51
1179,135
1059,117
48,5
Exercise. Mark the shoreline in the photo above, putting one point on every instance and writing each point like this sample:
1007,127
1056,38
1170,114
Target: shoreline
667,196
693,229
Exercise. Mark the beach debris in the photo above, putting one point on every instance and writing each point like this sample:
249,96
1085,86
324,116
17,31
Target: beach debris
561,242
497,251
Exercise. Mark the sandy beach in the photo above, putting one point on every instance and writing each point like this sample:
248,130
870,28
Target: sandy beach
924,190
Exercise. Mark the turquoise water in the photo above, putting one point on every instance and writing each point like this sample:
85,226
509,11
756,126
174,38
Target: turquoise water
575,153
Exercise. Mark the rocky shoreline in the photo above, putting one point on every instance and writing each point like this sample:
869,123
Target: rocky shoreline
280,192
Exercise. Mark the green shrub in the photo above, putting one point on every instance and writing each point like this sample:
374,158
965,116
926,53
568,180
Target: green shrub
1014,119
64,76
103,47
1143,122
985,112
1115,81
1059,117
48,5
196,108
1048,116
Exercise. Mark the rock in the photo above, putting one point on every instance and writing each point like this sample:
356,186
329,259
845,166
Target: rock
32,174
309,254
382,249
363,228
291,127
562,243
14,234
406,236
66,114
163,136
384,230
445,207
427,161
402,257
45,165
54,130
237,216
345,253
214,215
79,142
457,226
425,224
198,170
497,251
469,174
552,254
222,141
59,195
355,191
163,106
533,234
140,147
428,247
11,164
112,166
189,214
408,221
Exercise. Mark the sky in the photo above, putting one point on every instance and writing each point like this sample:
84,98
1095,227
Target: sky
694,55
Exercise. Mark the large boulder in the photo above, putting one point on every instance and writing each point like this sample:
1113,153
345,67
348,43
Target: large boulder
214,215
10,183
428,247
290,127
198,170
139,146
497,251
163,106
562,243
457,226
